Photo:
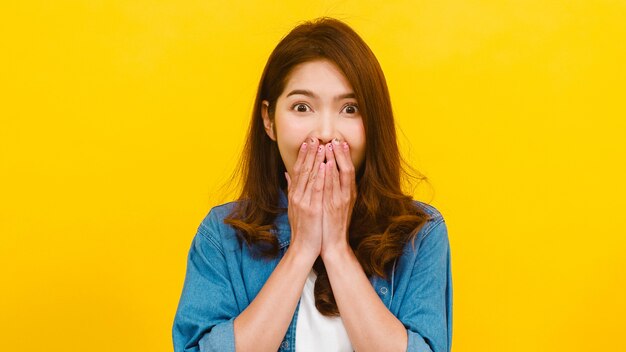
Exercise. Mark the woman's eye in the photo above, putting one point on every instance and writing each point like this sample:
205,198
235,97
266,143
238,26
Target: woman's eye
301,107
351,109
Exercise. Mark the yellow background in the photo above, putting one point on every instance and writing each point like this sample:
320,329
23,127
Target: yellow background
121,119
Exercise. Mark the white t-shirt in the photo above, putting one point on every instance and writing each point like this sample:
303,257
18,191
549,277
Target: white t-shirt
315,332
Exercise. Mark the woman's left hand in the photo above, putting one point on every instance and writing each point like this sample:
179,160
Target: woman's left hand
338,199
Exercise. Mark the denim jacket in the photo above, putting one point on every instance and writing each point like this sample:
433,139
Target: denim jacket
223,278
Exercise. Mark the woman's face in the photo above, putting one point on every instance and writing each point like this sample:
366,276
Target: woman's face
318,101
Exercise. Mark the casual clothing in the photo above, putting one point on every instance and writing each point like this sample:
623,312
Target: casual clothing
223,277
314,331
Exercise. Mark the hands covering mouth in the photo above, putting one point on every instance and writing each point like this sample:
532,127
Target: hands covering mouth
321,197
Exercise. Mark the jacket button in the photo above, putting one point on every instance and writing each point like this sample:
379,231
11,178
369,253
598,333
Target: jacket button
285,344
383,290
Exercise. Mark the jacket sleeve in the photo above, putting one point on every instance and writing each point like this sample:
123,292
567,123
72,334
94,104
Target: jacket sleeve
427,311
207,307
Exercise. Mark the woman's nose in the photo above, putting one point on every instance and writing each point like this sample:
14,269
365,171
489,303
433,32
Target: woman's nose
326,128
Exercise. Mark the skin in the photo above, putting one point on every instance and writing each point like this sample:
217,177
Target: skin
321,147
317,119
298,117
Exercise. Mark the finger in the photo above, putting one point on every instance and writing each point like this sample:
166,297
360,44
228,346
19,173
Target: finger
302,152
331,182
319,158
317,192
336,182
288,181
306,168
339,153
330,196
344,163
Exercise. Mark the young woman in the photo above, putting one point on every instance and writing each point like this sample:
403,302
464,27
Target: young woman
322,251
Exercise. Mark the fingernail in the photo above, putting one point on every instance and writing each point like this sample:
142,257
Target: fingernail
330,146
336,141
319,150
345,145
303,147
312,140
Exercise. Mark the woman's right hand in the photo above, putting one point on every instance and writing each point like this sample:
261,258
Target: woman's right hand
305,199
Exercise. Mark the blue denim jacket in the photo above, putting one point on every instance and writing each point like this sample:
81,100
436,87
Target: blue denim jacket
223,278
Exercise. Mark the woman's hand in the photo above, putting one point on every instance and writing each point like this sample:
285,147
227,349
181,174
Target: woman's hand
305,194
339,198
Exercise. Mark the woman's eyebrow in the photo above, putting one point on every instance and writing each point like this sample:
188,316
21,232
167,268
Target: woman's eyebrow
310,94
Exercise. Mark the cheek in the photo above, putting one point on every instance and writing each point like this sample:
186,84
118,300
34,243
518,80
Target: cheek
289,138
357,146
358,155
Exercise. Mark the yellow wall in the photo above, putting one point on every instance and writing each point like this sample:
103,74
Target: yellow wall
119,120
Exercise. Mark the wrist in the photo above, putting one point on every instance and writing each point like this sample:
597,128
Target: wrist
301,254
336,253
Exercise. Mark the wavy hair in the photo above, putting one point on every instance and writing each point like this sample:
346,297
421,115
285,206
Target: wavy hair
384,218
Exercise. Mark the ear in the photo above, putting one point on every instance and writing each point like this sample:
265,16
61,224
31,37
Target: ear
269,125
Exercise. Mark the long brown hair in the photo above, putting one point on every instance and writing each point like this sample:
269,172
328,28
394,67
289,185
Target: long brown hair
383,219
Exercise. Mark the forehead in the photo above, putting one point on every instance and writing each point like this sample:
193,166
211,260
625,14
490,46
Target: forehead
320,76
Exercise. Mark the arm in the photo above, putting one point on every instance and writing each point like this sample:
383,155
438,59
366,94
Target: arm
369,324
263,324
424,318
426,308
207,306
207,315
424,323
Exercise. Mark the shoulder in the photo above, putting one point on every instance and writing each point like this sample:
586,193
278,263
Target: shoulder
435,217
435,224
212,226
433,212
